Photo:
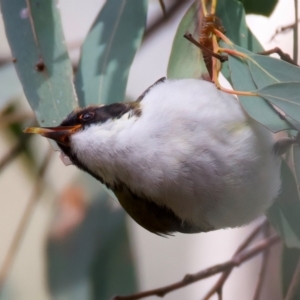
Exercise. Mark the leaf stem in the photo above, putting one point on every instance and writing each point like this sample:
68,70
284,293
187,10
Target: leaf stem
213,7
203,6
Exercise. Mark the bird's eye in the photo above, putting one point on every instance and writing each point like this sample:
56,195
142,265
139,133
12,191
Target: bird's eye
87,116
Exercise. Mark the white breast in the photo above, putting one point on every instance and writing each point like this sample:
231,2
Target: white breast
193,149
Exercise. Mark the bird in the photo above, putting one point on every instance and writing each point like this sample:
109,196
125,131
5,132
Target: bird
184,157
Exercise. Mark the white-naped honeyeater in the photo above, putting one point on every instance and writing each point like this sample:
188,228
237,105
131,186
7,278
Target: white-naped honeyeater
184,157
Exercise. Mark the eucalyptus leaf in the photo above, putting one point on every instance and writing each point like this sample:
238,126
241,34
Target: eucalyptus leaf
108,52
258,108
10,84
267,70
186,60
285,96
233,17
284,213
35,36
259,7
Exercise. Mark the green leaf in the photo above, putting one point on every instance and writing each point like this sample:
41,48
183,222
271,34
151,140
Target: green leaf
35,36
10,85
267,70
233,18
186,60
259,7
94,261
289,261
284,213
108,52
285,96
256,107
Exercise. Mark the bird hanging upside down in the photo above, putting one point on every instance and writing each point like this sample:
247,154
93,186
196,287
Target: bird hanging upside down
184,157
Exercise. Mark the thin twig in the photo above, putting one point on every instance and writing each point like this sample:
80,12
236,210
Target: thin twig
163,7
217,288
295,48
283,29
294,285
284,56
191,278
264,265
172,10
22,227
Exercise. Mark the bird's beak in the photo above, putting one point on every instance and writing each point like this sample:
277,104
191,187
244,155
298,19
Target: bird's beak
60,134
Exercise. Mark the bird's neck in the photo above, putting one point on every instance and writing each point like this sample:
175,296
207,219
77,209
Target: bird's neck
97,147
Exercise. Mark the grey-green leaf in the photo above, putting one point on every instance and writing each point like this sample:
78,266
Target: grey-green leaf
284,213
259,7
186,59
285,96
233,18
35,35
267,70
258,108
108,52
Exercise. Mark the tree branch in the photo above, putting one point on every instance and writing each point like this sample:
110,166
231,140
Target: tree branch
163,7
191,278
218,287
282,55
170,12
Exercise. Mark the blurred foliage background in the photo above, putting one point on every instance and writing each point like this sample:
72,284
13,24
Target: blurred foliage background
60,228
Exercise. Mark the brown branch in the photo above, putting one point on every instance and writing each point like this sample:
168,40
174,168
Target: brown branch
163,7
264,265
218,287
283,29
191,278
294,285
21,229
170,12
284,56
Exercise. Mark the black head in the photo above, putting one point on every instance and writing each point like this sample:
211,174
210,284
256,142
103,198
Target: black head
97,114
